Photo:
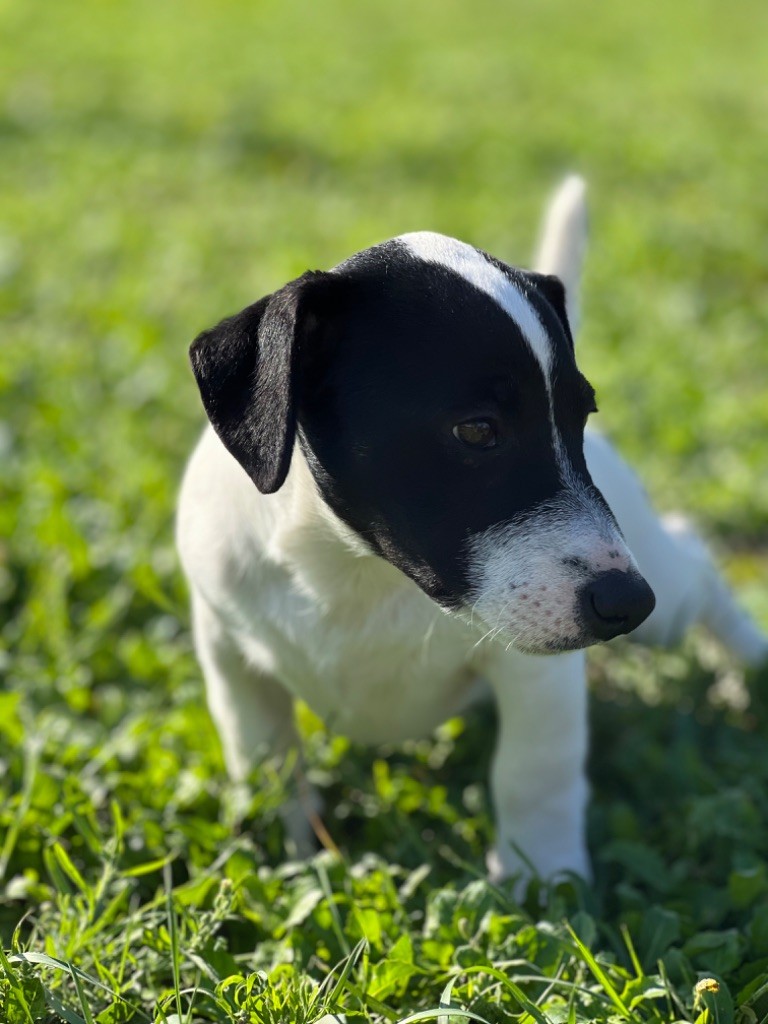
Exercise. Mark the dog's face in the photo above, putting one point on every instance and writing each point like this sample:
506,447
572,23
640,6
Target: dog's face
436,397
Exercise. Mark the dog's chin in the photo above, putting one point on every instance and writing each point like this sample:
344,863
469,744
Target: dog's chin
520,637
543,646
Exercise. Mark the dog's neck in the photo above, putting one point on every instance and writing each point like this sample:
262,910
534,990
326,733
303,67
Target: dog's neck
334,561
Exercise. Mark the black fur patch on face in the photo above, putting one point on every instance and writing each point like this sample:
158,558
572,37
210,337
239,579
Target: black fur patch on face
411,350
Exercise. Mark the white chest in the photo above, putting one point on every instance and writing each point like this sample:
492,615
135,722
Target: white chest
376,668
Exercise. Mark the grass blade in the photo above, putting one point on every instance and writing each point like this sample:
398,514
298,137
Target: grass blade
174,936
87,1015
599,974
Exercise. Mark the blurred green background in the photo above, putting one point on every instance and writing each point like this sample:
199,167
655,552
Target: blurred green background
163,164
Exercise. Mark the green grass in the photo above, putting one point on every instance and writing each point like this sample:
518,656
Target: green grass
164,164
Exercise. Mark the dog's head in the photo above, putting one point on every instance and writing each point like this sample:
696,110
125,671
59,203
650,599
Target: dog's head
436,398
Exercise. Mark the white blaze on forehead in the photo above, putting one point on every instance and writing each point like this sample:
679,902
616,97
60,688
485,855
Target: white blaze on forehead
470,264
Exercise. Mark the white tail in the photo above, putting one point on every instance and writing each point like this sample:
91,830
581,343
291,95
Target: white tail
564,242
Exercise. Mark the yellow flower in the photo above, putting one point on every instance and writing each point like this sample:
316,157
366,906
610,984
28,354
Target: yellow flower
705,985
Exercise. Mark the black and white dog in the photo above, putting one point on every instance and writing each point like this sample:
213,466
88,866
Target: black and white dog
400,438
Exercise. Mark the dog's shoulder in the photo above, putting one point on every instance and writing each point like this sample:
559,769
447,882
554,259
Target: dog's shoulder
240,546
223,523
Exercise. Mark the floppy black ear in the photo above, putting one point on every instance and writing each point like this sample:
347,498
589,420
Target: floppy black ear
246,370
553,290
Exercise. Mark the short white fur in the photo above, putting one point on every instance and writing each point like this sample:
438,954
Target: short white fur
529,573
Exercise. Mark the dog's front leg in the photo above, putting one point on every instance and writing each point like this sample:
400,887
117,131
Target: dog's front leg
253,714
538,778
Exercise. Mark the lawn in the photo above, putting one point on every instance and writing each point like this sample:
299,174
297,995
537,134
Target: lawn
163,164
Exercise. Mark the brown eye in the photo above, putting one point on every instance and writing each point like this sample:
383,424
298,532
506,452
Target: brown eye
476,433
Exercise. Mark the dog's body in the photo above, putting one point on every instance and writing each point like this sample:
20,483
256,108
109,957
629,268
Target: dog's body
330,580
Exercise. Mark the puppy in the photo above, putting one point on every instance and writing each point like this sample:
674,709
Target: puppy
396,498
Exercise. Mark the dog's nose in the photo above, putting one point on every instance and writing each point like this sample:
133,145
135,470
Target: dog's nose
615,602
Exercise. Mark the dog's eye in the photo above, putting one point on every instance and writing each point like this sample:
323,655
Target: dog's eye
476,433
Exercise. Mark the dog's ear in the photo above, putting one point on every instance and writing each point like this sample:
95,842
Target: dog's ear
553,290
246,369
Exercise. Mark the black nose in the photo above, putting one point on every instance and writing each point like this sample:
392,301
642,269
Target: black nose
615,602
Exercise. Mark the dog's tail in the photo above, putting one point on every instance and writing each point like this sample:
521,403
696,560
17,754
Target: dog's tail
564,242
